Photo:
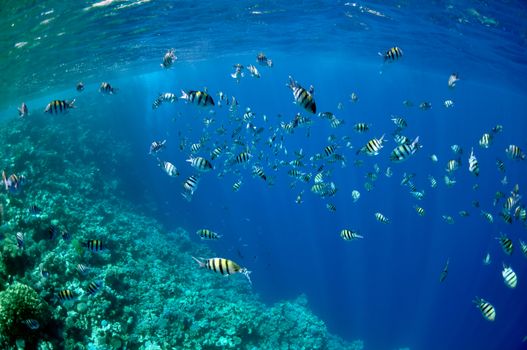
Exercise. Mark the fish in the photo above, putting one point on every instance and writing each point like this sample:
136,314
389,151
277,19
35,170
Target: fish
303,97
523,247
263,60
35,210
59,106
157,146
223,266
452,80
106,88
497,129
485,140
237,185
456,149
434,158
207,234
514,152
392,54
449,182
444,273
23,110
258,171
243,157
195,147
200,164
506,244
53,231
420,211
164,97
381,218
353,97
452,165
66,295
399,122
82,269
372,147
463,213
299,200
509,277
169,168
190,186
331,207
94,245
361,127
405,151
199,98
433,181
238,73
31,323
388,172
216,152
80,86
44,273
487,310
13,183
20,240
350,235
425,105
168,59
486,259
93,288
408,103
500,165
254,71
448,103
355,195
473,165
487,216
448,219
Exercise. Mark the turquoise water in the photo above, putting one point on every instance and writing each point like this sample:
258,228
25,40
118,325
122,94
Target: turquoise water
90,171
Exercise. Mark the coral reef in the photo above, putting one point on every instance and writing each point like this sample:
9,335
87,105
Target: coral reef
176,305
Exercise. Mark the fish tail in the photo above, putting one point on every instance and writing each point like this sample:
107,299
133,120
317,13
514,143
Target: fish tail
201,263
184,95
291,83
71,104
246,273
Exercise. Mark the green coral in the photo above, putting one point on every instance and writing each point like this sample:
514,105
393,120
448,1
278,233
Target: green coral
18,303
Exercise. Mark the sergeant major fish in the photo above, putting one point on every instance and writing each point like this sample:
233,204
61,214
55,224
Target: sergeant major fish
168,59
106,88
59,106
223,266
303,97
199,98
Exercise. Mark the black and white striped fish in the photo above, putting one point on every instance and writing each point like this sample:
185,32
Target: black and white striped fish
473,165
404,151
190,186
303,97
59,106
223,266
509,276
93,287
164,97
393,54
515,152
200,164
106,88
487,310
372,147
205,233
350,235
506,244
199,98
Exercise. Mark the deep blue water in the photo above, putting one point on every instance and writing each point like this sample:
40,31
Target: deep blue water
385,288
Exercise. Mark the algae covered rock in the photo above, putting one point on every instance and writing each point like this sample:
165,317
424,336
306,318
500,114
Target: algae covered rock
19,303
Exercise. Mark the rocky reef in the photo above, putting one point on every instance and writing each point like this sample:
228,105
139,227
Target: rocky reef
142,290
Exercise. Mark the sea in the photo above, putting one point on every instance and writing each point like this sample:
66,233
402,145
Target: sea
408,283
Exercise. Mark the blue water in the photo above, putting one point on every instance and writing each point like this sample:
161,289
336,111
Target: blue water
385,288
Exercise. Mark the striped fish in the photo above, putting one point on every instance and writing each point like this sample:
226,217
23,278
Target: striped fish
452,165
361,127
331,207
169,168
381,218
303,97
243,157
106,88
207,234
487,216
393,54
66,294
420,211
372,147
515,152
59,106
95,245
93,287
509,276
329,150
82,269
198,98
404,151
200,164
506,244
473,165
350,235
223,266
485,140
258,171
487,310
190,186
216,152
399,122
237,185
523,247
164,97
31,324
20,240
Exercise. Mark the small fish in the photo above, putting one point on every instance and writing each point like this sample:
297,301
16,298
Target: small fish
355,195
168,59
425,105
164,97
486,259
448,103
53,231
523,247
13,183
452,165
169,168
35,210
44,273
190,186
106,88
433,158
20,240
449,182
405,151
243,157
388,172
331,207
223,266
199,98
372,147
509,277
82,269
80,86
254,71
500,165
258,171
463,213
514,152
207,234
200,164
59,106
350,235
237,185
487,310
473,165
23,110
263,60
506,244
408,103
157,146
381,218
444,273
31,324
93,288
433,181
361,127
392,54
216,152
303,97
485,140
399,122
448,219
94,245
497,129
487,216
452,80
420,211
238,73
66,295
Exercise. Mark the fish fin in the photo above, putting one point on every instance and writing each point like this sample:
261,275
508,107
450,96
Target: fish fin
184,95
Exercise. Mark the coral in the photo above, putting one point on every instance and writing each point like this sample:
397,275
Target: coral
19,303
